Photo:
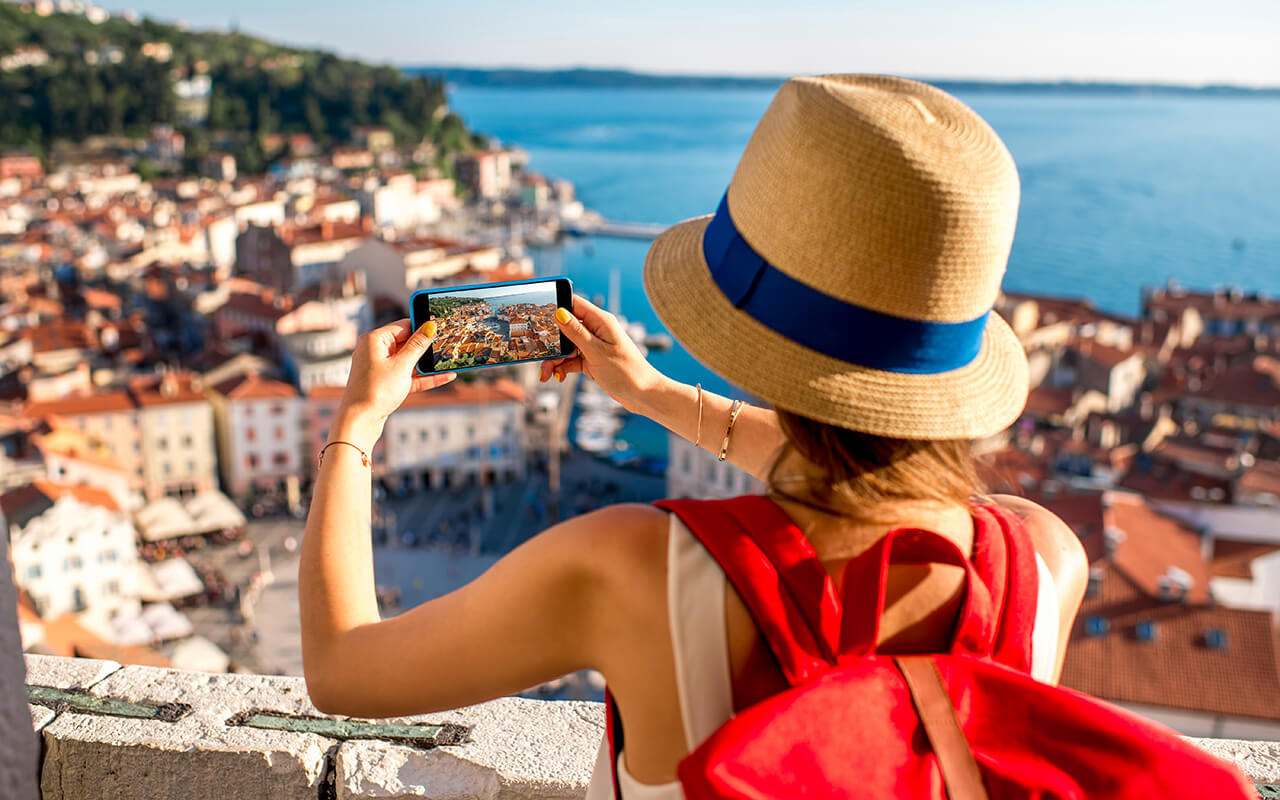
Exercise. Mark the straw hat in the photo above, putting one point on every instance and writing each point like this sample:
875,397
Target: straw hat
849,273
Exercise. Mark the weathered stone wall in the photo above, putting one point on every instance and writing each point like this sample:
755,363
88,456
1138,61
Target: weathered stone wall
141,732
516,748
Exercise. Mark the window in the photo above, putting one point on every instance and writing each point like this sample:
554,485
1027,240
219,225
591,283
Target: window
444,434
277,409
1145,631
248,410
111,588
250,434
168,468
324,411
162,443
102,558
187,442
280,459
77,599
279,433
1215,639
112,556
423,435
191,467
33,572
471,431
1095,581
252,461
73,562
1097,626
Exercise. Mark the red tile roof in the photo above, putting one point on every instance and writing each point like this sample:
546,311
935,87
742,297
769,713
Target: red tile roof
158,390
1234,559
502,390
1176,669
254,387
30,501
1263,477
98,403
1152,543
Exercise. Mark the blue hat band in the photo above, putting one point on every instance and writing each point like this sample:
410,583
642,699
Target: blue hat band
829,325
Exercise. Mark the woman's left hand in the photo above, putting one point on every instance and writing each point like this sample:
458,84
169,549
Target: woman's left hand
382,375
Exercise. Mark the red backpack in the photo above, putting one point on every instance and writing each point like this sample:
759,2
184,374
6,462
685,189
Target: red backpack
968,724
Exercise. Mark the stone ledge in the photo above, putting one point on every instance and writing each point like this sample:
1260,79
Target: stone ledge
518,748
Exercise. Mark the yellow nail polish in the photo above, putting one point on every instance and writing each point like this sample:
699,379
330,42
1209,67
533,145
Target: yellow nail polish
563,316
560,377
430,329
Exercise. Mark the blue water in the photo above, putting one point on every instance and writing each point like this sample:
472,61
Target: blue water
1118,192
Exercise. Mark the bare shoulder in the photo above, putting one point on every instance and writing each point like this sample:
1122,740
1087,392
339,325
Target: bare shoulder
621,544
1056,543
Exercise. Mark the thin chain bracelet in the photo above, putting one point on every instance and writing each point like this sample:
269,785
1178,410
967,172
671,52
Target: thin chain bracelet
364,457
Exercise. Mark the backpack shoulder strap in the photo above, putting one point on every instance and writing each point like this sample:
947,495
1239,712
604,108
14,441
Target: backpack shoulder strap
1006,558
776,571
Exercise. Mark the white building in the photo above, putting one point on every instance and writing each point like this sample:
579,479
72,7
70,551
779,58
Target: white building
259,432
397,269
73,549
399,203
458,433
697,473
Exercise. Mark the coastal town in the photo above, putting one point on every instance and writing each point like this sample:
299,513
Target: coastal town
473,332
174,346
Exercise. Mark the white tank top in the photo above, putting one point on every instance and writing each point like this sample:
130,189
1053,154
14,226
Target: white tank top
695,597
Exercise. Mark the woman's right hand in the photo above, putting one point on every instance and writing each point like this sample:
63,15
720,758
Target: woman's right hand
604,352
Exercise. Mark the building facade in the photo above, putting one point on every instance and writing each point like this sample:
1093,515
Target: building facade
175,422
697,473
459,433
73,549
259,433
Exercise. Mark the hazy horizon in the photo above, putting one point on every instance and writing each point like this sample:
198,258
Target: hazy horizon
1087,41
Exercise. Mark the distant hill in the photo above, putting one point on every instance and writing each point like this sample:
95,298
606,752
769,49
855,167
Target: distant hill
625,79
65,78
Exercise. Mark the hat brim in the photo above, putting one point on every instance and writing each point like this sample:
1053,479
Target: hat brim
979,399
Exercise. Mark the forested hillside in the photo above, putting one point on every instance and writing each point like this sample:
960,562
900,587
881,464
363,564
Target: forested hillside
63,78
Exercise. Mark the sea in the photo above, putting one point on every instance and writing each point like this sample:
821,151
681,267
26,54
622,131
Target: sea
1119,191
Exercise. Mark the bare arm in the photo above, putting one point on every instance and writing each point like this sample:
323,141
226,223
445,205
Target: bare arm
608,356
534,615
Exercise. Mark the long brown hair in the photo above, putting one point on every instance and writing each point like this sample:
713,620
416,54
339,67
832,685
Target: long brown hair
859,475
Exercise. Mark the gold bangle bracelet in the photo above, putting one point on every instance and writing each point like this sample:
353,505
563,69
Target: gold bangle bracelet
734,411
698,440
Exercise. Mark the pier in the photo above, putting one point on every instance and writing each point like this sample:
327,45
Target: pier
617,230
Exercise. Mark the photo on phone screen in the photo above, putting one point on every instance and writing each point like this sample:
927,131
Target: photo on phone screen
492,324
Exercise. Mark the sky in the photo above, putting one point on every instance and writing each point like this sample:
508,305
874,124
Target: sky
1167,41
538,294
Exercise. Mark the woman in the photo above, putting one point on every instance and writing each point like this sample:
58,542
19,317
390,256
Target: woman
848,279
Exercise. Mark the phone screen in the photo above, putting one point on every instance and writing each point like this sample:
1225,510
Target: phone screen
492,324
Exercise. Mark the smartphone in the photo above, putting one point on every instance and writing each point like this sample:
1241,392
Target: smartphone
492,324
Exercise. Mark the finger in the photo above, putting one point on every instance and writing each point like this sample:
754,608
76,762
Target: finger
567,366
422,383
417,344
572,327
601,323
400,329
